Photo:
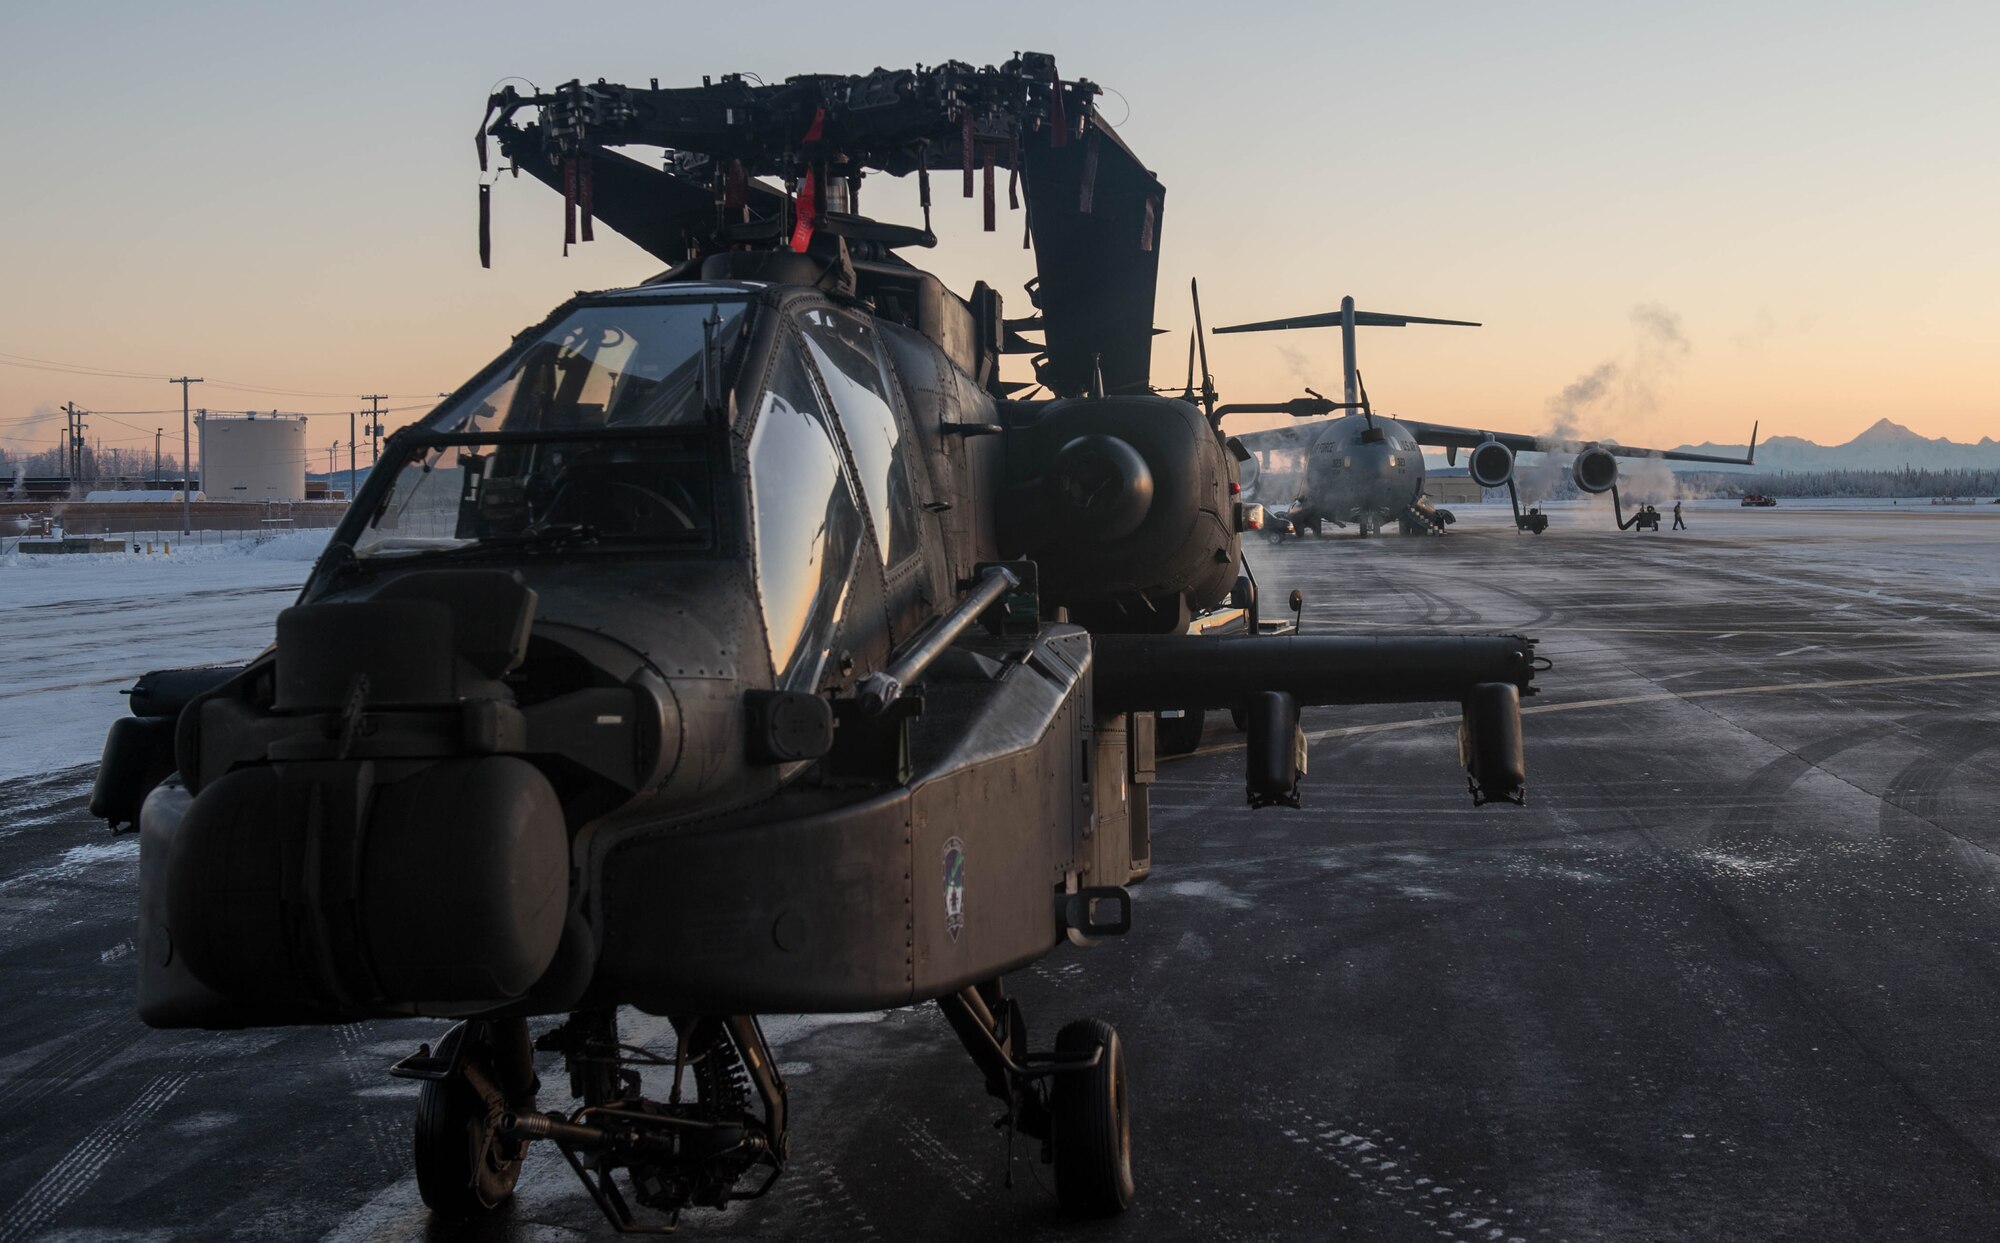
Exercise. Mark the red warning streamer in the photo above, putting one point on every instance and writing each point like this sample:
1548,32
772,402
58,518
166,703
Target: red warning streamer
802,232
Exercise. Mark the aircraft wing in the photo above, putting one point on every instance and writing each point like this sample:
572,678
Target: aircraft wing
1449,437
1281,439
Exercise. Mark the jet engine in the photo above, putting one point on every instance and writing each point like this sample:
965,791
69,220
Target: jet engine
1594,470
1491,465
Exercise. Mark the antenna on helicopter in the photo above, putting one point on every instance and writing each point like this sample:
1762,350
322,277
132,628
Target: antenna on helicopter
1187,394
1201,342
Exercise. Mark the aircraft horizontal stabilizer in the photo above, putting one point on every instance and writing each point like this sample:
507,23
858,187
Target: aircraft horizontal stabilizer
1333,319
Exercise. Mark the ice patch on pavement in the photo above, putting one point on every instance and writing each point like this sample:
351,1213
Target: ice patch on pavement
781,1029
74,862
1212,891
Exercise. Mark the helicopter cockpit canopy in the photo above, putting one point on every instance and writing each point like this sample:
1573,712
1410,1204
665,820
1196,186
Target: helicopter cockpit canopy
626,361
571,433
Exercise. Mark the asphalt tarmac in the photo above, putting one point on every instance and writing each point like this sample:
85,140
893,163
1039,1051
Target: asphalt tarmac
1731,974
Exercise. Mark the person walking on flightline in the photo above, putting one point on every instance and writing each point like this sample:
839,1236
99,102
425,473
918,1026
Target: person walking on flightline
1679,525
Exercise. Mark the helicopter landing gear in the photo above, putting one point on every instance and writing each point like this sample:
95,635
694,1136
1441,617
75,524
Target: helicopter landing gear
1091,1135
465,1165
673,1154
1075,1099
1179,734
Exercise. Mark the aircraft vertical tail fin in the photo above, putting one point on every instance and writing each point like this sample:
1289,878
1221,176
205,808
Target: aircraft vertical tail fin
1347,319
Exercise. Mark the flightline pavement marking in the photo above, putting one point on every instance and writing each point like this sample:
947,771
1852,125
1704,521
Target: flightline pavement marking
1618,701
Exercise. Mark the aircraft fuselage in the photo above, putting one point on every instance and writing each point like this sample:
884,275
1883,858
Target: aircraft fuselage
1364,475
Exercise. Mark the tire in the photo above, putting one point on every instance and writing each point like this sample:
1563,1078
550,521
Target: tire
463,1169
1178,735
1240,719
1091,1125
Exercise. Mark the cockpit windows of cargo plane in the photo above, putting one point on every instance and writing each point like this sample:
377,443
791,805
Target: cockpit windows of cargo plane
604,366
807,527
846,352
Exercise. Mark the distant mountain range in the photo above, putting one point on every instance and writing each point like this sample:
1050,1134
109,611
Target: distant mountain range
1885,446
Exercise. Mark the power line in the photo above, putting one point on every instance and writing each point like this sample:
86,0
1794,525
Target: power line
45,364
114,373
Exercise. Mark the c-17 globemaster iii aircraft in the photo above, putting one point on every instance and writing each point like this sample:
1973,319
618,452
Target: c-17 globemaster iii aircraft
733,644
1367,469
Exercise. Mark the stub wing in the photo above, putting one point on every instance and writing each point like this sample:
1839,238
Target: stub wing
1448,437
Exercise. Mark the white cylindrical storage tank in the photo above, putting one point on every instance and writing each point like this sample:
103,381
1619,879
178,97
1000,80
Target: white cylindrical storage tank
253,457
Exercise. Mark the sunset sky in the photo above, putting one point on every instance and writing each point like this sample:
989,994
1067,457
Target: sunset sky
1785,212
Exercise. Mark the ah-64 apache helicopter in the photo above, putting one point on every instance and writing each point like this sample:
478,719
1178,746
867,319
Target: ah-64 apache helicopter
733,644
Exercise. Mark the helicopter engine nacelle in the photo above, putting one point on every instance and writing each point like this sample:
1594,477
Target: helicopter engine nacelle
1125,505
1491,465
1594,470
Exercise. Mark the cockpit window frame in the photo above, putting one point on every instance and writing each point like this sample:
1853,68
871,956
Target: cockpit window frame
894,520
753,298
409,446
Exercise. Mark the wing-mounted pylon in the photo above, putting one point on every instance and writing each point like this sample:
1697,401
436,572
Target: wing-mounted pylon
754,166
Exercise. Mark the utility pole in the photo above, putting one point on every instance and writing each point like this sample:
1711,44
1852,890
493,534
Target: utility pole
156,456
374,401
350,457
75,466
187,456
69,449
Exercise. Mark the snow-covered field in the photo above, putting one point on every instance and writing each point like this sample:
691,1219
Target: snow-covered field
75,630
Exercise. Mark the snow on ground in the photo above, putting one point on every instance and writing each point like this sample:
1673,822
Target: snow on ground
75,630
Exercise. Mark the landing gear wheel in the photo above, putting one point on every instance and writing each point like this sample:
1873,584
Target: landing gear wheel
1240,719
1178,735
1090,1124
464,1169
